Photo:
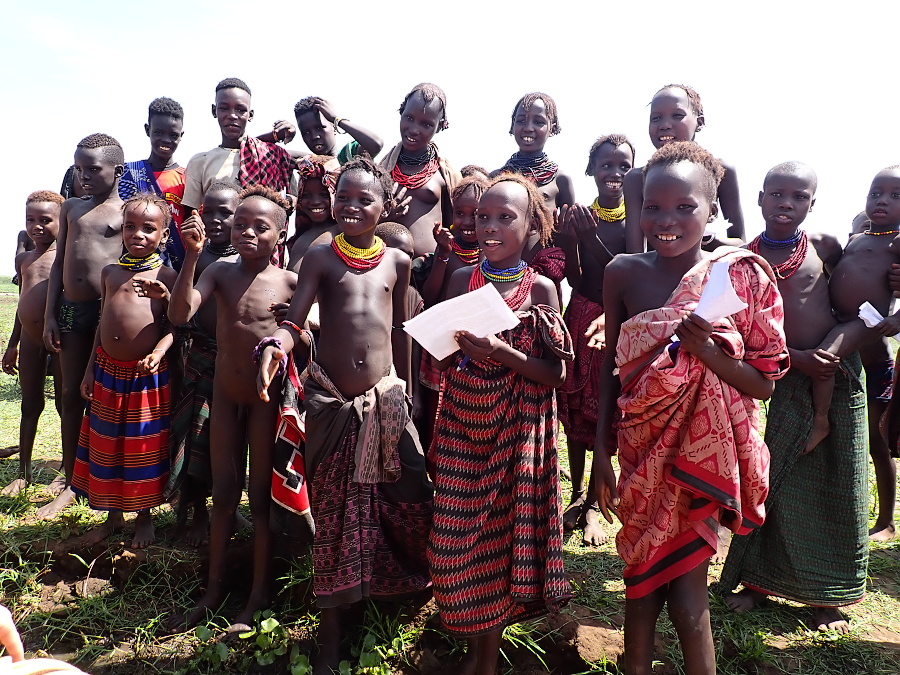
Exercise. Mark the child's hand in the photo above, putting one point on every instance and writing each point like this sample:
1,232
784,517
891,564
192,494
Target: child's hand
817,364
51,335
476,348
325,108
269,361
694,333
193,234
150,288
279,310
606,492
400,202
284,131
565,230
9,636
889,327
87,384
444,240
894,278
10,358
596,333
150,363
584,221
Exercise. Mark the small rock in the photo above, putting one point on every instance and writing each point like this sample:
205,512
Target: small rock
595,643
92,587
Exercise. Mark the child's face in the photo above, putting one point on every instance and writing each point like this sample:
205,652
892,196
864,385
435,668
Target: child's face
672,118
676,208
464,208
316,132
256,230
95,173
785,200
531,127
165,134
315,202
232,110
218,214
419,122
143,229
609,166
404,244
503,226
358,203
42,222
883,202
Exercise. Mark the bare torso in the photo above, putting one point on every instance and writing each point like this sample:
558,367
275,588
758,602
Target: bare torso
862,275
206,316
317,234
33,279
93,240
424,211
613,237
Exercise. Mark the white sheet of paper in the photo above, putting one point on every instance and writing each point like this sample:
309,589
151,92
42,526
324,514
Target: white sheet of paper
718,299
872,317
482,313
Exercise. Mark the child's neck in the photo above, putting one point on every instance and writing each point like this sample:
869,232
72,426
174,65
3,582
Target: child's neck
158,163
41,249
531,153
231,143
678,266
884,229
111,197
607,202
782,235
254,265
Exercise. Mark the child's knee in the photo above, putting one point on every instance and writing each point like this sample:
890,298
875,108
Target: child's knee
32,406
225,499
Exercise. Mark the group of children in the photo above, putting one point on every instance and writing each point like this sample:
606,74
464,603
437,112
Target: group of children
155,290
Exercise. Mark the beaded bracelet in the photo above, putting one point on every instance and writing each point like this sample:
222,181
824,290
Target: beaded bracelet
270,342
290,324
337,125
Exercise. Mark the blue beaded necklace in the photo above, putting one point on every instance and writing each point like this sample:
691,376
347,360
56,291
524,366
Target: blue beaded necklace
491,273
786,243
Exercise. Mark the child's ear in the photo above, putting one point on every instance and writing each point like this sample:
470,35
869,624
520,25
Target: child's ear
147,130
713,212
759,200
812,203
282,235
701,122
251,116
534,225
120,169
213,109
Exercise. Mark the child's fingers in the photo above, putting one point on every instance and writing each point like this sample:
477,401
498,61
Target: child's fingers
9,636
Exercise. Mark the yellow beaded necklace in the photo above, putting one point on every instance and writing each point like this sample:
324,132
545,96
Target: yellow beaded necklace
609,215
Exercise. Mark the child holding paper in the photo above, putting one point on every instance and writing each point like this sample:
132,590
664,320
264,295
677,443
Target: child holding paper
495,548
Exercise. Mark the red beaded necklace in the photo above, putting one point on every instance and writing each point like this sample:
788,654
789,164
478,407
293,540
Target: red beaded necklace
419,178
515,300
469,256
357,258
786,269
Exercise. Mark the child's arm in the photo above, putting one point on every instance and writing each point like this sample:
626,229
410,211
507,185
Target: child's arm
399,338
431,289
730,201
150,363
459,285
566,189
87,382
369,140
634,200
567,239
54,283
11,355
282,132
186,298
694,334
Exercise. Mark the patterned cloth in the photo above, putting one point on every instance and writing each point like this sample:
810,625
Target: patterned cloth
123,448
690,453
189,440
370,537
813,547
168,184
551,263
578,397
264,164
79,317
495,549
880,381
890,421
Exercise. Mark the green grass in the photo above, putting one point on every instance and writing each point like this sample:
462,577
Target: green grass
123,632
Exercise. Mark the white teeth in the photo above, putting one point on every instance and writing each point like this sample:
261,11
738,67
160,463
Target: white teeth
491,242
667,237
317,210
528,139
613,184
667,138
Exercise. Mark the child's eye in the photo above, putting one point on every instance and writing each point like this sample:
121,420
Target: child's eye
895,195
650,207
481,216
775,194
654,118
679,116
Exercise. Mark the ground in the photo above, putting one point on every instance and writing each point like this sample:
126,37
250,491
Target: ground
105,608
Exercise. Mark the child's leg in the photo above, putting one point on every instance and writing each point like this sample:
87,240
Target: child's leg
594,534
884,528
577,460
640,631
822,391
114,522
328,637
688,601
32,369
262,421
144,532
488,652
193,496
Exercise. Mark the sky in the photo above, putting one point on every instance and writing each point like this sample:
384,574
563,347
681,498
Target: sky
779,80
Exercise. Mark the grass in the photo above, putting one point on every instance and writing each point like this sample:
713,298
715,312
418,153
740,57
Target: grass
122,628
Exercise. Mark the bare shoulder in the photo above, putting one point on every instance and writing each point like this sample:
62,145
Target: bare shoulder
826,245
459,281
287,277
543,292
634,177
627,263
167,275
730,171
398,258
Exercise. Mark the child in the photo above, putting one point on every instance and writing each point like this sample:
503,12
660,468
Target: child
590,239
676,114
315,223
23,244
191,473
690,453
244,292
33,268
313,112
371,498
495,550
159,173
417,167
89,239
809,551
534,120
123,448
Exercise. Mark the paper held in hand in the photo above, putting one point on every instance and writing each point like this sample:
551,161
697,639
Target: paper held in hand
482,313
718,298
872,317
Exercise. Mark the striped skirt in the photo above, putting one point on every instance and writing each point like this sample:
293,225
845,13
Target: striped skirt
123,448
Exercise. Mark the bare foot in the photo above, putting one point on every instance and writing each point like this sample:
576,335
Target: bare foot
198,533
144,532
51,510
820,429
254,604
830,618
57,485
114,522
724,544
883,533
574,511
9,452
14,488
594,535
744,601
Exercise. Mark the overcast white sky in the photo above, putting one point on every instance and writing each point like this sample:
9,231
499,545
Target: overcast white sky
779,80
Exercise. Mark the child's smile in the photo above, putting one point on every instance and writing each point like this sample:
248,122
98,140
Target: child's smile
531,127
883,202
675,210
672,117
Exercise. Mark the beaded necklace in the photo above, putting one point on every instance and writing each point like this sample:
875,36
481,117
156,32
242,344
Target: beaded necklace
539,169
781,243
878,234
428,161
221,250
150,262
502,276
522,293
609,215
358,258
468,253
786,269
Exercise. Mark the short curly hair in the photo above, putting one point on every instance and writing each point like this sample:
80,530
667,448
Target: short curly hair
147,199
613,139
475,183
538,213
305,105
693,96
429,93
165,106
688,151
112,149
363,162
41,196
275,197
549,105
233,83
